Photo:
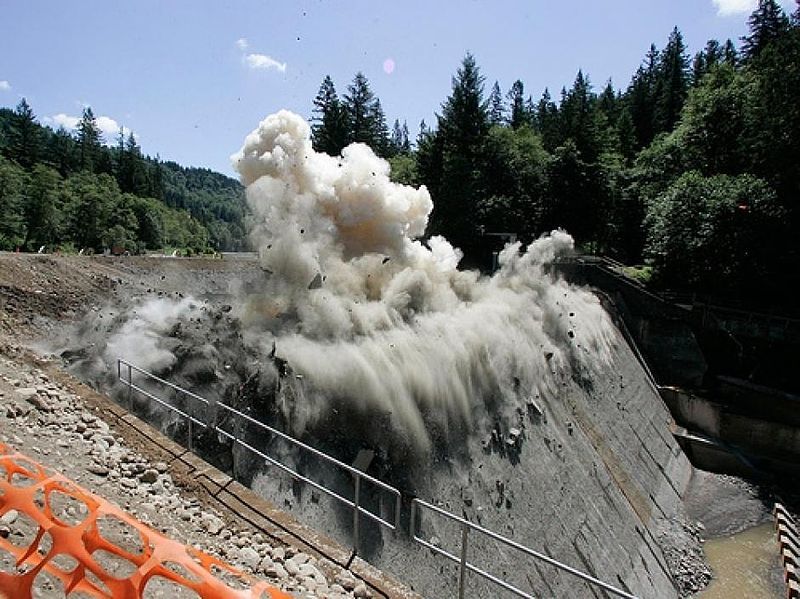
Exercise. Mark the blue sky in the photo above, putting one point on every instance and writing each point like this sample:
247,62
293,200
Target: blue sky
192,77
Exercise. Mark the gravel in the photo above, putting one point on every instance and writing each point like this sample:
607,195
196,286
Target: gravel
54,426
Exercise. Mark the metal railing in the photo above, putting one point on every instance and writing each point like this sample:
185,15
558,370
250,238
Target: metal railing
417,505
179,390
213,425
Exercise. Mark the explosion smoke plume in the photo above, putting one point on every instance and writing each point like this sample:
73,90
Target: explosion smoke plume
376,323
387,324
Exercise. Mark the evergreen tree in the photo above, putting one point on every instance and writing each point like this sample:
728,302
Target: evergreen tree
464,119
773,119
406,147
767,23
712,125
730,55
462,129
705,60
699,67
90,200
578,120
626,134
496,108
713,52
12,199
607,101
429,159
546,121
90,140
424,131
380,131
359,105
606,118
396,140
132,177
641,96
24,136
518,114
61,151
530,111
122,168
329,128
573,201
674,83
42,209
399,143
155,179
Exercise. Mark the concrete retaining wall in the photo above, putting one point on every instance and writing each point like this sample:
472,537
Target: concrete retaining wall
595,482
759,437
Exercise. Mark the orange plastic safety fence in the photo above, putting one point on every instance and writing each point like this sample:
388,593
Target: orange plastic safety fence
25,486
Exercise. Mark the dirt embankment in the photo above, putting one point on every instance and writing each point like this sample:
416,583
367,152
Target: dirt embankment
37,292
40,298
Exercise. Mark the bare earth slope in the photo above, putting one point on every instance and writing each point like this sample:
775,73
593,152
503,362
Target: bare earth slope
52,422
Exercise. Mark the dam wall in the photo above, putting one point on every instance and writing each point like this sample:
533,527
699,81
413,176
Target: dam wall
592,476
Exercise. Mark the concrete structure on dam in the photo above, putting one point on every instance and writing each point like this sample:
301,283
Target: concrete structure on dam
592,477
727,375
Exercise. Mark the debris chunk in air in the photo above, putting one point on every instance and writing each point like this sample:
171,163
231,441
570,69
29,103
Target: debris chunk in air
316,282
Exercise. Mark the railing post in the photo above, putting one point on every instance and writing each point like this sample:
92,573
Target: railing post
462,570
130,390
398,505
412,524
356,514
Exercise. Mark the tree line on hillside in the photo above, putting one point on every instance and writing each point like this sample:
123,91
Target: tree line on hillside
66,191
694,168
356,117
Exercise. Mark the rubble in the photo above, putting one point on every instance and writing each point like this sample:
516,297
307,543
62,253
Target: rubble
53,425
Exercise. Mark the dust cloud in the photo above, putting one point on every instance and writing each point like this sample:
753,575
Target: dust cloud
360,316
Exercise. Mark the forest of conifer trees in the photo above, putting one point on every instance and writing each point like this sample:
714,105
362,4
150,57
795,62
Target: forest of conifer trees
66,192
692,169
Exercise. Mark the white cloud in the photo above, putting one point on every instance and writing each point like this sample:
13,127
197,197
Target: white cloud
734,7
65,120
242,44
727,8
108,126
262,61
5,85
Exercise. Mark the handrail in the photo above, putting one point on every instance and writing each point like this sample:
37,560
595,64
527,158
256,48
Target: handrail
358,475
417,505
150,375
464,566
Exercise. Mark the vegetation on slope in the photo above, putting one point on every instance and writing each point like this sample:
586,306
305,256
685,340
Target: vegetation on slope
694,168
66,191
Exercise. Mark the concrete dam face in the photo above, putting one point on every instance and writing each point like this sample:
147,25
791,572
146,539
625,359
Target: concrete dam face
591,476
511,401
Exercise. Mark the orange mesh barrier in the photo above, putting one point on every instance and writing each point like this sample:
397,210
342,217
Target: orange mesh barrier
96,566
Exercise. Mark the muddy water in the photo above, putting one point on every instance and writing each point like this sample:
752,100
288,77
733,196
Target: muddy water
745,565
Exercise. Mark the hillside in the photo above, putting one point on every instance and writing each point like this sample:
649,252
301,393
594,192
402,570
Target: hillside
70,191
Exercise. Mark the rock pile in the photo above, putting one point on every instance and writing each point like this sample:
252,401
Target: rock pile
51,424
